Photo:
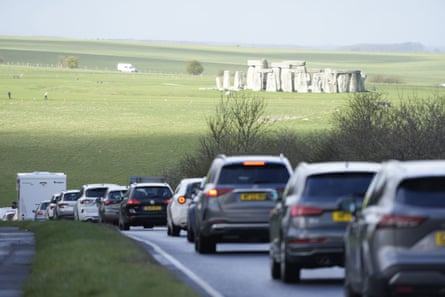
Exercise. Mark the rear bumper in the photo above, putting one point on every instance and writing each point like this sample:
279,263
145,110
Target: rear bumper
316,254
147,220
237,232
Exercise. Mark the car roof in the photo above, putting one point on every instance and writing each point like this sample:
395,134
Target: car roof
98,185
71,191
415,168
242,158
117,188
339,166
150,185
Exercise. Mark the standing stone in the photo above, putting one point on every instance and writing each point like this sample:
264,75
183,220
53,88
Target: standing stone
219,84
226,80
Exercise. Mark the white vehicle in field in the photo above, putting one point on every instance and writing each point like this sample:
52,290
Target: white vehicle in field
126,67
86,206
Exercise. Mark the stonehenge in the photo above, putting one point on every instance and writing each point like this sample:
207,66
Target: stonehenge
292,76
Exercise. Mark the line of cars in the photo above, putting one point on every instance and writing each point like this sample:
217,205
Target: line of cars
383,222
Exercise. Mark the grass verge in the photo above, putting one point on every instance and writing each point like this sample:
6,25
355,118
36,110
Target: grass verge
83,259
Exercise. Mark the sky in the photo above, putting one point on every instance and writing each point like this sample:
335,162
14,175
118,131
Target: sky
241,22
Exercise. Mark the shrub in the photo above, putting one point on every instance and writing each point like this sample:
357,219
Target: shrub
194,67
69,61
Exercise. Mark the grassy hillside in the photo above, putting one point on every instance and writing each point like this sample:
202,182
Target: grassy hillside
99,125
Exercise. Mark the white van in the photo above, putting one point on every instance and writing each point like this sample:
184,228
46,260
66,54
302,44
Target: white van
125,67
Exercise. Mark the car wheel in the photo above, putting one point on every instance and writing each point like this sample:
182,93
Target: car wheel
275,269
190,234
175,230
349,292
290,272
205,244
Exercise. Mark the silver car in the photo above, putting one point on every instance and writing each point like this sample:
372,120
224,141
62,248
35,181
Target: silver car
395,245
307,227
65,204
108,206
235,201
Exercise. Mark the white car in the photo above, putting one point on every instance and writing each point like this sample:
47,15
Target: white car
65,204
50,211
86,206
178,206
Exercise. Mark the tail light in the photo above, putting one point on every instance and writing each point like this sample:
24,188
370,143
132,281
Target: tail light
108,202
217,192
62,205
181,199
307,240
133,202
85,201
167,201
40,213
52,207
399,221
302,211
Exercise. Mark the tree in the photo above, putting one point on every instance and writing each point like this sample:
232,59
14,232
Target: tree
69,61
194,67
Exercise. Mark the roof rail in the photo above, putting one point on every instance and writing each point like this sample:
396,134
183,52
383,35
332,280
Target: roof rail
222,156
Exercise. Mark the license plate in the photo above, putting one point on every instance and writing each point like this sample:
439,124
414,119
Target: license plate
253,196
440,238
152,207
341,216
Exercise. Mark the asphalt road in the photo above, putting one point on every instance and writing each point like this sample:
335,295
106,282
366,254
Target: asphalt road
236,270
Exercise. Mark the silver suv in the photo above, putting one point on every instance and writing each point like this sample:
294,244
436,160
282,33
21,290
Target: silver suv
395,245
236,198
307,227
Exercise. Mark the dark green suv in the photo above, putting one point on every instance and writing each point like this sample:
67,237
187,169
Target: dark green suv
235,201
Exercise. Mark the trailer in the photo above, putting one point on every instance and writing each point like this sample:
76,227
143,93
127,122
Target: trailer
33,187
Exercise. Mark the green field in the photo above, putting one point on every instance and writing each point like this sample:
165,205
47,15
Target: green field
99,125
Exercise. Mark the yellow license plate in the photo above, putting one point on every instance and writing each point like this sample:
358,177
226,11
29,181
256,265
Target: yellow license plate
253,196
440,238
153,207
341,216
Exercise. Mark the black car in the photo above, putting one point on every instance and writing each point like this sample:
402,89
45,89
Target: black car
145,204
236,199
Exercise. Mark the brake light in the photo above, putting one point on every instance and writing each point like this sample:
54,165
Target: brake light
307,240
167,201
399,221
62,205
181,200
108,202
133,202
254,163
217,192
40,212
301,211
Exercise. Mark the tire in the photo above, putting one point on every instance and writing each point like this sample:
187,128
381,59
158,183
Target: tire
275,269
290,272
349,292
123,226
175,230
205,244
190,234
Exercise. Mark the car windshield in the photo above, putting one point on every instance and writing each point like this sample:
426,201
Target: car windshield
267,174
422,192
329,187
96,192
152,192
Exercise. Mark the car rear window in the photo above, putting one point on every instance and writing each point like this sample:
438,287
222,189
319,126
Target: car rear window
330,187
152,192
423,192
265,174
71,196
96,192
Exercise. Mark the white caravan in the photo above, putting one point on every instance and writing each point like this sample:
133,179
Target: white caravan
34,187
125,67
